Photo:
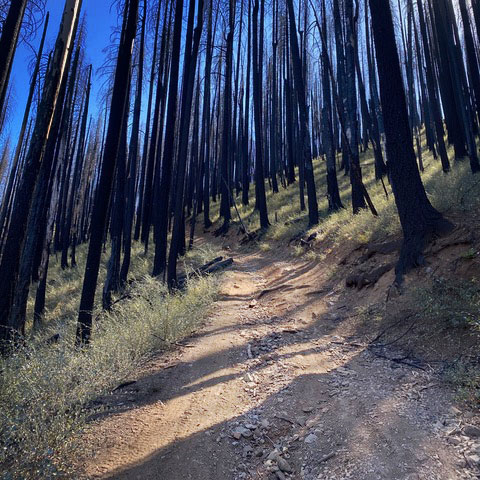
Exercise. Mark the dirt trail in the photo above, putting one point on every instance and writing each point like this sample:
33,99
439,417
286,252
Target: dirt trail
276,386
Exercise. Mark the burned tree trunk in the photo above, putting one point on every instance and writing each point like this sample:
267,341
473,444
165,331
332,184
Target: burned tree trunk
190,65
419,220
132,160
302,107
261,201
224,178
432,90
163,193
8,193
333,194
17,231
105,182
8,45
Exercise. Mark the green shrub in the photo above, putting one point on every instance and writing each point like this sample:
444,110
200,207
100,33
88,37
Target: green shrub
455,302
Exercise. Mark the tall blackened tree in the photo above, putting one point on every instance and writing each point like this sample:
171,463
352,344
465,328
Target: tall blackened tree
358,200
105,183
225,186
8,44
246,127
205,154
8,193
190,65
132,157
306,148
257,63
419,220
17,232
146,143
333,194
163,195
117,211
432,90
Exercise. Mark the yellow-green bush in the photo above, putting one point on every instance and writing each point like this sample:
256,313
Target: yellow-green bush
44,388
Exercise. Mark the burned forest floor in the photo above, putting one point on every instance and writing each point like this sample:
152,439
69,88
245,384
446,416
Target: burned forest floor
311,366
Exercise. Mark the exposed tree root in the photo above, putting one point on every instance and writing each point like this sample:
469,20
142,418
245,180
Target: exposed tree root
361,280
372,249
412,251
285,287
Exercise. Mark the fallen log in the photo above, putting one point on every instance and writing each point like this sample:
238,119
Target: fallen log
209,264
213,266
218,266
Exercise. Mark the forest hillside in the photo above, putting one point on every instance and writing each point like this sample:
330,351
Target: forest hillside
239,239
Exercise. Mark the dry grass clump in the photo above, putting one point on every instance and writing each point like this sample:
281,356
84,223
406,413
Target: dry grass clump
45,388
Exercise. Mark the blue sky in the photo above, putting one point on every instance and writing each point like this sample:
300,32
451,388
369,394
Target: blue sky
100,20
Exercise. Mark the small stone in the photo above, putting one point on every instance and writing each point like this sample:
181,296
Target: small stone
307,409
238,432
473,459
453,441
280,475
247,451
301,421
265,423
312,438
273,455
271,467
250,426
454,411
258,452
471,431
283,465
311,422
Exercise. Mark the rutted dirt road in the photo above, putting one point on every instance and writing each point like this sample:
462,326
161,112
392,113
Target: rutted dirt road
278,384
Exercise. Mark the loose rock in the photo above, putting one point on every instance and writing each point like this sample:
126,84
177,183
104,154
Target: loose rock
312,438
471,431
283,465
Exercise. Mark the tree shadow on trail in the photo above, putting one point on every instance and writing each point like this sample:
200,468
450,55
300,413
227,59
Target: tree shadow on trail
365,418
361,429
